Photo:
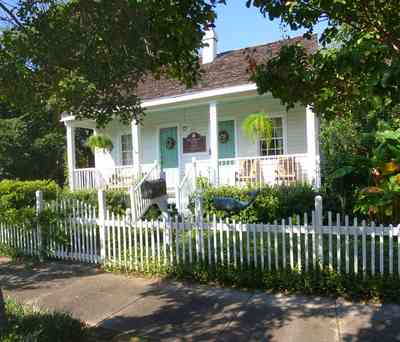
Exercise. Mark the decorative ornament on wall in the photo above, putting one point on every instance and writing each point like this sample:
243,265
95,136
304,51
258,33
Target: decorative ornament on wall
170,143
223,137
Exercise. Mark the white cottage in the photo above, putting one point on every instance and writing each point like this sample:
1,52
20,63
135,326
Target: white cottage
197,132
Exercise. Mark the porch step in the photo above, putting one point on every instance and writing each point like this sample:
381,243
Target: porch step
171,195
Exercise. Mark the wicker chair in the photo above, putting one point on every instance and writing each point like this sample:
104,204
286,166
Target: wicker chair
249,171
287,170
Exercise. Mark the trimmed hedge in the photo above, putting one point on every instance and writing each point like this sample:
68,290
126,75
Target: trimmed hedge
15,194
272,202
117,201
20,195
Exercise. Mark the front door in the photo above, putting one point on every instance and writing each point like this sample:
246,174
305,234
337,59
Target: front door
226,139
169,154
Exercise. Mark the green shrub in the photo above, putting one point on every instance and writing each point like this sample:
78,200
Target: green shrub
117,201
28,324
272,202
18,198
16,194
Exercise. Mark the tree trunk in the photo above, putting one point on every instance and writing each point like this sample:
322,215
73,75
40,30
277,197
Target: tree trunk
3,319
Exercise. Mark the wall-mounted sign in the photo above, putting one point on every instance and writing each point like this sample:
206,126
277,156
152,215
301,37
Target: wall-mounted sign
194,143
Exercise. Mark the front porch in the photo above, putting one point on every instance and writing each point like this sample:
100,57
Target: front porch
202,139
243,171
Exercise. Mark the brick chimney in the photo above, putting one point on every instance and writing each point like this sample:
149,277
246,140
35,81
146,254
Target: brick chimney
210,50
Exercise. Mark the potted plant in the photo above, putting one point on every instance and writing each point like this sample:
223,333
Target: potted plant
258,126
99,141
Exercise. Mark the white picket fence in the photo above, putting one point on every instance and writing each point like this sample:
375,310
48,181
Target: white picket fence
300,242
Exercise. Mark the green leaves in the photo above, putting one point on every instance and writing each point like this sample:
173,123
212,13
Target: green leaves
99,141
357,70
258,127
385,175
343,171
87,57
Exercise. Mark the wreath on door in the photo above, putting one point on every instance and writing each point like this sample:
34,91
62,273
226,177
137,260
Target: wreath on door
170,143
223,137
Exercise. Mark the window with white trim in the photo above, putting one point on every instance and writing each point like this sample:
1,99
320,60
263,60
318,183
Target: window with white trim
126,149
276,146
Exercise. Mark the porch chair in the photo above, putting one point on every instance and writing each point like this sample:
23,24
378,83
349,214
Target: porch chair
287,170
249,171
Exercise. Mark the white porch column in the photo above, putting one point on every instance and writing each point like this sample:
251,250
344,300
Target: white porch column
312,131
71,154
136,147
214,142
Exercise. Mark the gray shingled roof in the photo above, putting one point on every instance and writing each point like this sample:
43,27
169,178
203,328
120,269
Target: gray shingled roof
229,69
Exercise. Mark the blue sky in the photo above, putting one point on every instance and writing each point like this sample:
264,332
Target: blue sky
238,26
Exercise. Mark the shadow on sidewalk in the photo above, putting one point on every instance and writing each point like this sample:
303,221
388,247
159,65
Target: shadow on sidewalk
166,310
169,311
21,276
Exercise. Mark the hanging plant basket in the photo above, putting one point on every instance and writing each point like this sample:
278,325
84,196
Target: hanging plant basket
99,141
258,126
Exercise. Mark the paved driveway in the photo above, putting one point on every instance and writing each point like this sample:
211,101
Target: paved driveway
170,311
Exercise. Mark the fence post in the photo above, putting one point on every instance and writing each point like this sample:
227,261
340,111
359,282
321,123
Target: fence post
198,206
101,195
318,227
39,210
178,199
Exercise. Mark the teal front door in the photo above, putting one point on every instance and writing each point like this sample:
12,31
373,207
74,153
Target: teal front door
169,147
226,139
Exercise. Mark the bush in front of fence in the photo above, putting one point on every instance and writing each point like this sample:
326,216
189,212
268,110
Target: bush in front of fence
272,202
117,201
20,195
15,194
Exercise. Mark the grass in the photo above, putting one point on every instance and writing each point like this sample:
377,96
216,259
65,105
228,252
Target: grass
26,323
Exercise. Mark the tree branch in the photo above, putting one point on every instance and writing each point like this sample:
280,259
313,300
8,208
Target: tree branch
10,14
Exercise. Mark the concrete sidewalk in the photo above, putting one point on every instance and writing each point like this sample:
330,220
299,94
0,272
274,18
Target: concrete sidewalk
169,311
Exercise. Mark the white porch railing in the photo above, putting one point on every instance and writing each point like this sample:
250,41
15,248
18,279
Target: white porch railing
118,177
283,169
256,171
139,205
241,171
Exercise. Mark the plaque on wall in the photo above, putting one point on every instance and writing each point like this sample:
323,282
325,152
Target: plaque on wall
194,143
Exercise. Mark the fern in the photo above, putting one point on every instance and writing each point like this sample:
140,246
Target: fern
258,127
99,141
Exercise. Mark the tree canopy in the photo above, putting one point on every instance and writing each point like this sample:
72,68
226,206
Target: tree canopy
86,57
353,83
357,69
